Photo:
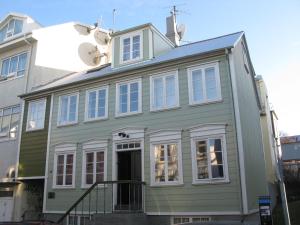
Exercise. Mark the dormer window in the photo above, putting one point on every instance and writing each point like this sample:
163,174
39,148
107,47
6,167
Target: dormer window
13,27
131,47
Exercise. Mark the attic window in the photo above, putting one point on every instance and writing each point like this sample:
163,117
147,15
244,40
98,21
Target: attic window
13,27
131,47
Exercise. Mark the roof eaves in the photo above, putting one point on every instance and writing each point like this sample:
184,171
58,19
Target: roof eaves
131,29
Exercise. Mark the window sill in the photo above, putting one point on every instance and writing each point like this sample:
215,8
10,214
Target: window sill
164,109
67,124
167,185
95,120
32,130
127,114
63,187
205,103
205,182
130,61
3,80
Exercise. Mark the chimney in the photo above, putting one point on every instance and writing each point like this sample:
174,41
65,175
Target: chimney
172,33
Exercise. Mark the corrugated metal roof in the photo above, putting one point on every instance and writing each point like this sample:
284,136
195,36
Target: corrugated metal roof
182,51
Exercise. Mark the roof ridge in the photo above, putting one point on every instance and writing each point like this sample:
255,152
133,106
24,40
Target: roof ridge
209,39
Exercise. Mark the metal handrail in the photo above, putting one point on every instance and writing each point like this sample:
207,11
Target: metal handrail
88,191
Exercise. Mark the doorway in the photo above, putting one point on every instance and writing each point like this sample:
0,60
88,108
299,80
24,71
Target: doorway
129,194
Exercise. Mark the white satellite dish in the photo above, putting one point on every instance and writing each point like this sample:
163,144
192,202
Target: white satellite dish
180,30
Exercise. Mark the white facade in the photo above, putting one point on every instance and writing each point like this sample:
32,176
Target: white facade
31,56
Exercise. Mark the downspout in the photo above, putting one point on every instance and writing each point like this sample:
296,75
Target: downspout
227,52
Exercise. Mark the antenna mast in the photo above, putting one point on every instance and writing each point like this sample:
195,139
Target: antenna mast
114,15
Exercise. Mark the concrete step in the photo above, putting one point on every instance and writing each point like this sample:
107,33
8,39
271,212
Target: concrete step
120,219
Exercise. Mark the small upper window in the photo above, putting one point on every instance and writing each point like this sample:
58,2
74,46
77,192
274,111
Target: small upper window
36,115
164,91
68,109
204,84
129,97
13,27
96,104
14,66
131,47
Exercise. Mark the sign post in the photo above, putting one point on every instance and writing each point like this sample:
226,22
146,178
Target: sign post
265,210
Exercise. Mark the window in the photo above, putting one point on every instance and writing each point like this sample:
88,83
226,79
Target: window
185,219
64,166
96,104
131,47
9,122
68,109
245,57
36,115
209,154
166,165
93,167
129,97
164,91
13,27
14,66
204,84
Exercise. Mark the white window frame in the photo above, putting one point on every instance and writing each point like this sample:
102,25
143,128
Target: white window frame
204,133
13,29
128,82
163,76
59,110
190,218
131,35
202,67
163,137
14,74
64,149
93,146
6,136
97,97
28,110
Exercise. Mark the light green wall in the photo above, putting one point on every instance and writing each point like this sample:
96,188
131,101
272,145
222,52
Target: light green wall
251,132
186,198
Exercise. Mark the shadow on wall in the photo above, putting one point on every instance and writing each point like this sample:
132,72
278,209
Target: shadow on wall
89,54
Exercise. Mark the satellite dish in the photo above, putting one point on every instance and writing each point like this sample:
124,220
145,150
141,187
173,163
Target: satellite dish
101,37
180,30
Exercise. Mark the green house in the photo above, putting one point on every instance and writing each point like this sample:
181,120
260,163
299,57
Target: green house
165,134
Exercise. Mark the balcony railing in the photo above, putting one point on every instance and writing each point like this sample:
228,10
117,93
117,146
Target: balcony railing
106,197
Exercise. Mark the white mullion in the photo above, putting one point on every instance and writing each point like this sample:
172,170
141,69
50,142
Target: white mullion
203,84
94,166
130,47
97,99
68,109
166,163
128,97
9,125
209,160
17,69
65,169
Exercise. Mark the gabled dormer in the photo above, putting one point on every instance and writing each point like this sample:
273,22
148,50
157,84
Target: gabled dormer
15,25
138,44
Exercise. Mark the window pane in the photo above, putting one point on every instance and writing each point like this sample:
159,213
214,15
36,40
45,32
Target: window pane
22,64
59,180
16,109
36,113
170,91
159,163
5,67
99,177
3,33
89,179
217,171
197,86
69,179
13,64
100,156
18,26
136,47
158,92
60,159
92,104
14,125
123,98
134,97
73,108
64,109
210,83
126,49
11,24
5,124
69,159
101,103
201,156
172,162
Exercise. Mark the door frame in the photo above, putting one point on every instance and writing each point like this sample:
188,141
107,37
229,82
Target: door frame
135,135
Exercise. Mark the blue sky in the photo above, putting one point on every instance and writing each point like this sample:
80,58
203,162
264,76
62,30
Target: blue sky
272,30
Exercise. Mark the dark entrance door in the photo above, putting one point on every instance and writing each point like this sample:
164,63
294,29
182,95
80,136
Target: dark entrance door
129,169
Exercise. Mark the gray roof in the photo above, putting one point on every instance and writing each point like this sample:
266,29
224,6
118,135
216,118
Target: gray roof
183,51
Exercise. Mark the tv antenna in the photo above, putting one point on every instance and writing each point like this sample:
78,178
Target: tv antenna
114,16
